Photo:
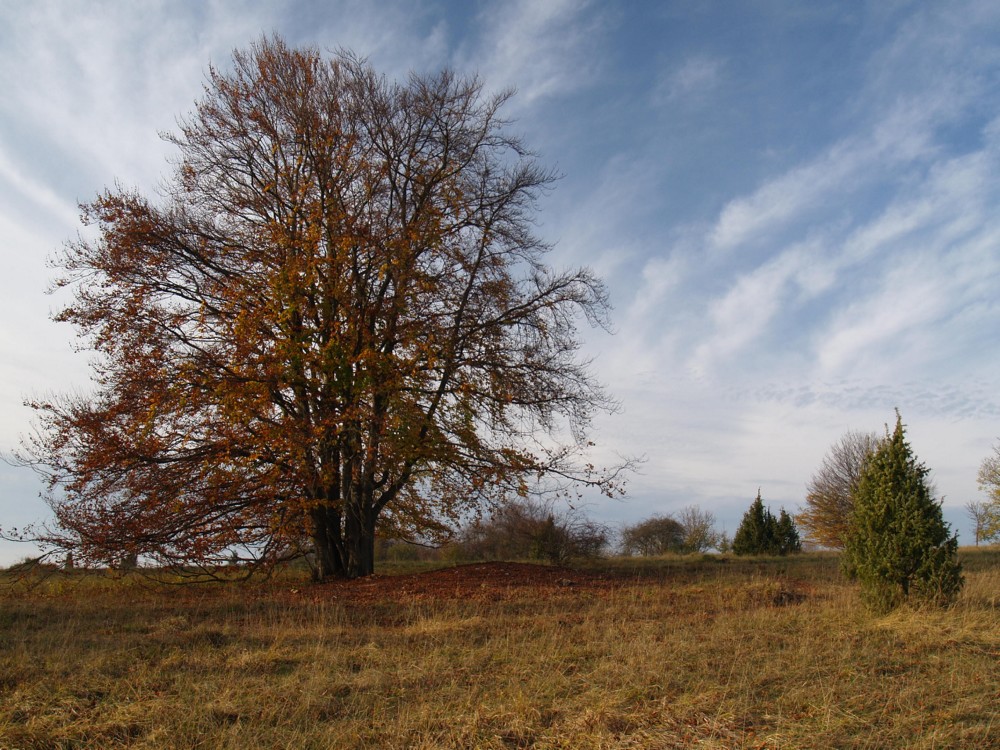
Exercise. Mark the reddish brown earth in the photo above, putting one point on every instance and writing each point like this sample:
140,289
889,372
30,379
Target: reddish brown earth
501,581
482,581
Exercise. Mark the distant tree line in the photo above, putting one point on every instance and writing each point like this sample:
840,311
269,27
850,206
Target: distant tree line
532,530
520,529
527,529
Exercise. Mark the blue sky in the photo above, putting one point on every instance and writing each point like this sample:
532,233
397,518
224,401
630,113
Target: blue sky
793,205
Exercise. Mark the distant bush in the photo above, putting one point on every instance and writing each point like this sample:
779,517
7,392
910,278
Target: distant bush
399,550
699,530
523,529
654,536
693,531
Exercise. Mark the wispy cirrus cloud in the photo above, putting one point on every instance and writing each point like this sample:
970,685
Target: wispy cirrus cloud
691,81
898,141
744,313
19,186
542,48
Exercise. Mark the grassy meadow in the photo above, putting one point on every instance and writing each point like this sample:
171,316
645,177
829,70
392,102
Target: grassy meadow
654,653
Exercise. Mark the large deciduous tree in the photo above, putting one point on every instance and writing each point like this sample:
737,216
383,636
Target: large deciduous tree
827,513
336,317
898,545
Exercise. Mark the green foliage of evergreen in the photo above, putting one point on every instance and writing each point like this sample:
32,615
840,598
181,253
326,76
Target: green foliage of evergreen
753,535
787,535
760,533
898,544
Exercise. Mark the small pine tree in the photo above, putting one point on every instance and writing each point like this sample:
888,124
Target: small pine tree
760,533
755,536
787,535
898,545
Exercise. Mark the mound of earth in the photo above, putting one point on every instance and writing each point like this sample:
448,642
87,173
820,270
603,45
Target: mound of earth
489,580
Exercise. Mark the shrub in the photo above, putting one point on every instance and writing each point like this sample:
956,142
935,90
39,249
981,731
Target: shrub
523,529
654,536
699,530
692,531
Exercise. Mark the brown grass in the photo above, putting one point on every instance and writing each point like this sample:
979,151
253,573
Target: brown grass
671,653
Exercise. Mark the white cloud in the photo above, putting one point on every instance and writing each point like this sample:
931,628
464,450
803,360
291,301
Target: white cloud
841,170
919,239
542,47
899,139
781,200
19,185
692,80
890,322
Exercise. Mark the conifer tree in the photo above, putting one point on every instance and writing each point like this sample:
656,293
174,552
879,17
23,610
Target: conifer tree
787,535
898,545
756,534
760,533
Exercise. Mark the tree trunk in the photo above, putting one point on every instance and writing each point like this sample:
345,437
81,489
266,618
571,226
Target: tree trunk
360,540
327,543
344,545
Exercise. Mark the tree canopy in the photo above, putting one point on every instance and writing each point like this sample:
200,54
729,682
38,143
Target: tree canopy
987,513
654,536
827,513
337,317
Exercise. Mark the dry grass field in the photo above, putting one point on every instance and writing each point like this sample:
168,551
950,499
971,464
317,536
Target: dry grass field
668,653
